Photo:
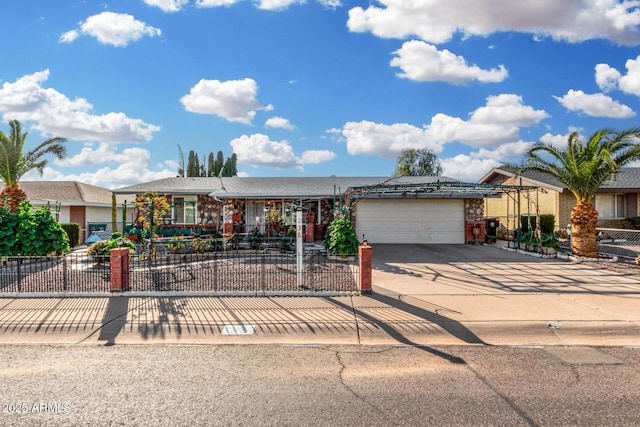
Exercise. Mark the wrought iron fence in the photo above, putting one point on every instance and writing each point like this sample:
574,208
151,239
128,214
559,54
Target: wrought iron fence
243,271
232,271
73,272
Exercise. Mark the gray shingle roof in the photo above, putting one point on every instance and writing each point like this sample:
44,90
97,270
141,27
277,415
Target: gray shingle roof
68,193
627,179
268,187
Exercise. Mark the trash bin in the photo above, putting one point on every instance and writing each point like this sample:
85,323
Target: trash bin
491,226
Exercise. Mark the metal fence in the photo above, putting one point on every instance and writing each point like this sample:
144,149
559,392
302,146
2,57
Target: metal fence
243,271
74,272
233,271
625,244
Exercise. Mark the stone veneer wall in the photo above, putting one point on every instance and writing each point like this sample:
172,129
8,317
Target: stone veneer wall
474,218
208,211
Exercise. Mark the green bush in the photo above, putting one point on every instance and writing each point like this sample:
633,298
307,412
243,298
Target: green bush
73,233
340,237
525,220
101,249
632,223
31,233
547,223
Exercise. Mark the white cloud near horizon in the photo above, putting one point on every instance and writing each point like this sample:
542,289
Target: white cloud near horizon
233,100
437,21
423,62
594,105
259,150
496,123
55,114
116,29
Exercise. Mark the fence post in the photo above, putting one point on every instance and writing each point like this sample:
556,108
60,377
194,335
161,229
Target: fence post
365,256
119,265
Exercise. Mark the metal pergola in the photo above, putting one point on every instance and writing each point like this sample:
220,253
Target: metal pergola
452,189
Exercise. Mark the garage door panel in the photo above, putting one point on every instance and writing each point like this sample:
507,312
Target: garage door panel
411,221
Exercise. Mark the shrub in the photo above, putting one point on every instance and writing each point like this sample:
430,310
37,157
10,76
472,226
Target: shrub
632,223
340,237
101,250
31,233
73,233
525,220
547,223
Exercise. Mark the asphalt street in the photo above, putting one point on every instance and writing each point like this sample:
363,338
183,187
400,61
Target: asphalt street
251,385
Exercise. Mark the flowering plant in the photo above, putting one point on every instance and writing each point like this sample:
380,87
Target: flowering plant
151,209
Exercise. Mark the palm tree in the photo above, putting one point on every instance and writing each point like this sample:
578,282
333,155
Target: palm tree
582,167
14,162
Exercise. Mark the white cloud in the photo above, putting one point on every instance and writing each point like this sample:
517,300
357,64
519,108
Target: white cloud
131,166
55,114
558,141
117,29
317,156
279,122
595,105
259,150
609,78
330,4
276,4
436,21
167,5
216,3
233,100
69,36
423,62
383,140
467,168
496,123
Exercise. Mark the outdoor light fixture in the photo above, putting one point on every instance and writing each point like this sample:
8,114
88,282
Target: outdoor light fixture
364,241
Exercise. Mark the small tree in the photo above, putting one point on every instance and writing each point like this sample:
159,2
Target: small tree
414,162
152,208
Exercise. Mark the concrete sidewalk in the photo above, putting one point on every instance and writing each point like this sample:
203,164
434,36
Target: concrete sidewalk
448,296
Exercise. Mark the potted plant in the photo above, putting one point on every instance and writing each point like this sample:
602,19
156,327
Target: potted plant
340,238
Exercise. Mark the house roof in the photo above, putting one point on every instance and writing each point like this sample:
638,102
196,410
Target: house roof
267,187
627,179
67,193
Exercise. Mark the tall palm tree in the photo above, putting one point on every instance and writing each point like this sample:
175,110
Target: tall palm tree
14,163
582,167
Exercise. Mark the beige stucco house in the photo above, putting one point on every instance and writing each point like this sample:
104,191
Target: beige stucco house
72,201
616,199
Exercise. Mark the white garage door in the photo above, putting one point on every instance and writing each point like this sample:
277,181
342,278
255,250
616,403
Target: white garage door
411,221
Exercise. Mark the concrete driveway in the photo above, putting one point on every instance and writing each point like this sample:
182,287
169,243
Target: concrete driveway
487,289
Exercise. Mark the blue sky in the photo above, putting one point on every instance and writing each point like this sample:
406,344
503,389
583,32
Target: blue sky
316,87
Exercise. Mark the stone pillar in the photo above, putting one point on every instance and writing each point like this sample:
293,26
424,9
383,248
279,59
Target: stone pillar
119,260
365,255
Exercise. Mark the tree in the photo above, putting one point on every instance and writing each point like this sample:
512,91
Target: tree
414,162
219,164
582,167
181,168
211,165
230,168
14,162
193,166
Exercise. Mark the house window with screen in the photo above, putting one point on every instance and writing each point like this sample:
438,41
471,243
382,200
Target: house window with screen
611,205
184,209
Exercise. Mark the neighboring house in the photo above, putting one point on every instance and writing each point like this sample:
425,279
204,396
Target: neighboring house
616,199
401,210
72,201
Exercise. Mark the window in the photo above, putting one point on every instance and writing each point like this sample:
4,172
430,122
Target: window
184,209
610,205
